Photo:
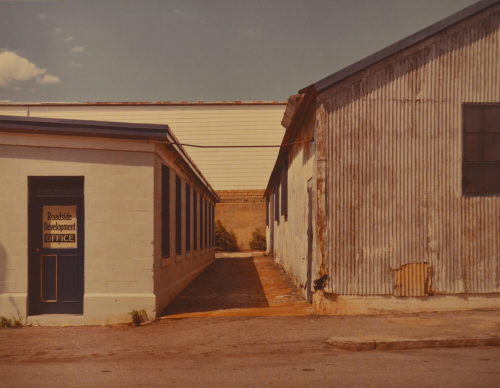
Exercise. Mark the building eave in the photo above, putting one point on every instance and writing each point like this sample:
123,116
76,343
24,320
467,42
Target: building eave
103,129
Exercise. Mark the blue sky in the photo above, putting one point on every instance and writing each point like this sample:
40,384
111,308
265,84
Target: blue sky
190,50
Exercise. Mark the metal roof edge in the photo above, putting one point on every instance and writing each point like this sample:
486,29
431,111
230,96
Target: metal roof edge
85,128
145,103
291,133
105,129
174,142
402,44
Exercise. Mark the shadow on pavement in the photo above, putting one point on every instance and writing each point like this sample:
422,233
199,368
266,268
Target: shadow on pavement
227,283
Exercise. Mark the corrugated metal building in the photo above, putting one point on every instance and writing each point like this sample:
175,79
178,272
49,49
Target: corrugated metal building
391,198
238,174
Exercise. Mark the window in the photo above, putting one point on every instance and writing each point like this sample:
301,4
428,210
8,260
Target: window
165,211
267,211
284,191
178,216
210,235
481,149
195,220
206,224
277,204
188,218
202,222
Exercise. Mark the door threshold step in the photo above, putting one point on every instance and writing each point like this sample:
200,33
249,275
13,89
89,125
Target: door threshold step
56,320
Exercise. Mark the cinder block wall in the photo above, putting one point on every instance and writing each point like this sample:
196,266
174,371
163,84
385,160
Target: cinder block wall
242,211
118,227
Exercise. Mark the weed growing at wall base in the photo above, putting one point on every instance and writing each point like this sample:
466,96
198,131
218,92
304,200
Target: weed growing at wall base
138,316
10,323
225,240
258,241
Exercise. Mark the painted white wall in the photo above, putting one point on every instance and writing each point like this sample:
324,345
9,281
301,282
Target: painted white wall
119,224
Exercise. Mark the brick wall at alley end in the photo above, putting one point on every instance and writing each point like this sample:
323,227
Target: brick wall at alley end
242,211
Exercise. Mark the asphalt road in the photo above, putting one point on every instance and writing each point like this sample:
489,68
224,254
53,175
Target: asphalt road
229,352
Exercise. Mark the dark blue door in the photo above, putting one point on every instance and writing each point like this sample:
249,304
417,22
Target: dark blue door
56,245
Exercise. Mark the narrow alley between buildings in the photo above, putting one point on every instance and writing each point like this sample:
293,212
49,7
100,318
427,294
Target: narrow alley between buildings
240,284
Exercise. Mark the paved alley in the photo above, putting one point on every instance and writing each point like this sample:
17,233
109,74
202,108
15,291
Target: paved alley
239,284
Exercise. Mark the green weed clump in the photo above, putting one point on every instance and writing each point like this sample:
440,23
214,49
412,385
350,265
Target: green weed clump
138,316
258,241
225,240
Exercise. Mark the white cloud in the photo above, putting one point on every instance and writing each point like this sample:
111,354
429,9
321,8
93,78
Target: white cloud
178,11
77,49
42,16
69,39
48,79
74,64
14,68
57,30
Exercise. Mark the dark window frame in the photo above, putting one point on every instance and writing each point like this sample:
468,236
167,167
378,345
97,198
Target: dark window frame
284,191
202,222
178,215
187,205
277,204
480,142
211,234
207,215
195,220
165,211
267,210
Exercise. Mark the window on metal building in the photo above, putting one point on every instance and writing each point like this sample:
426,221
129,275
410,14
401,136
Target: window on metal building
481,149
195,220
178,216
284,191
188,218
165,211
277,204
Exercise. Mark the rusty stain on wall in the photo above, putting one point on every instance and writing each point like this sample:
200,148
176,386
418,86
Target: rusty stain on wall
413,279
393,134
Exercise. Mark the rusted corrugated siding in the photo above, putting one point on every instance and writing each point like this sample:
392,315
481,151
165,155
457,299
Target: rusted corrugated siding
290,240
394,190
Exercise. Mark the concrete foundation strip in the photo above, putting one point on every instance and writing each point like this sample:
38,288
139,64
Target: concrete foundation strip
404,344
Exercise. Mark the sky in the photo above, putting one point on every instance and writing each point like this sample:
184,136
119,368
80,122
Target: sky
193,50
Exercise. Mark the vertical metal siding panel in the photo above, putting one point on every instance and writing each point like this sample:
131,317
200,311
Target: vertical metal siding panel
395,152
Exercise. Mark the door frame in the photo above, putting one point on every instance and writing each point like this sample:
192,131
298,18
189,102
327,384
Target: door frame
50,191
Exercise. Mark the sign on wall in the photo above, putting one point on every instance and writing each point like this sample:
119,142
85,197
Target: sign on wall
59,227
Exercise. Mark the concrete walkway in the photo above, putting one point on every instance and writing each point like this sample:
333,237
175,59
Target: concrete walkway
251,285
240,285
414,331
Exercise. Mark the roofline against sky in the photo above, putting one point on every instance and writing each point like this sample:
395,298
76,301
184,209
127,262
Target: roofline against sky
401,45
143,103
